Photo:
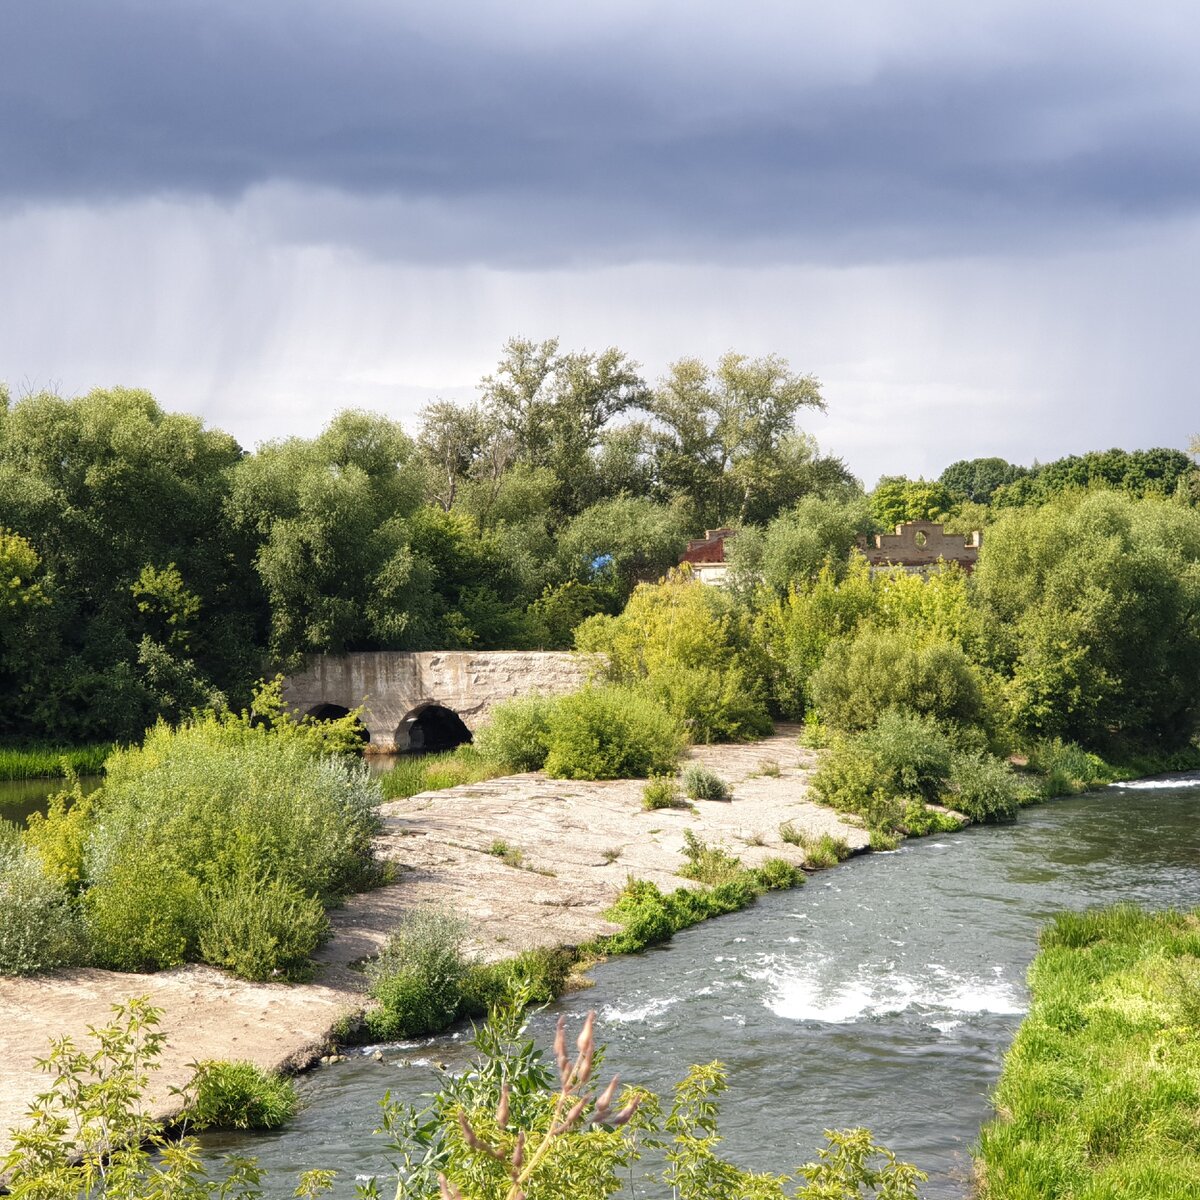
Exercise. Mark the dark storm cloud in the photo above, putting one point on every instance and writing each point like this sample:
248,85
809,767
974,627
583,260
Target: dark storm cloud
439,143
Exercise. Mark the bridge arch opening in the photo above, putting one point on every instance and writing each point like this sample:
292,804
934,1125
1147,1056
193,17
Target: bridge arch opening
335,712
432,727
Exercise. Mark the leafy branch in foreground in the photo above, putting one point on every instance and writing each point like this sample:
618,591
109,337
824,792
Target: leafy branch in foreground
514,1128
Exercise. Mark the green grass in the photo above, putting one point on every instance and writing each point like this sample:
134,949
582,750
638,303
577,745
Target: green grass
45,760
432,772
1099,1093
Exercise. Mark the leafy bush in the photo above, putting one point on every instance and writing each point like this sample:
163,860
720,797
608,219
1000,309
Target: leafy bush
610,733
59,836
819,852
649,916
518,734
689,647
414,773
261,928
662,792
220,796
418,977
542,973
702,784
777,874
707,864
1066,768
919,820
877,772
39,926
983,787
144,914
860,678
239,1095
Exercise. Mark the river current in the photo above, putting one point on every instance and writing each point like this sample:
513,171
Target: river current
884,993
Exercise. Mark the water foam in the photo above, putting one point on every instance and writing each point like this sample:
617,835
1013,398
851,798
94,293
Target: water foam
1154,785
635,1016
808,994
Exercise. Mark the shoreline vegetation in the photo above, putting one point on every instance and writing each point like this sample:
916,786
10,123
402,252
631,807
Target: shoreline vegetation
1100,1088
49,760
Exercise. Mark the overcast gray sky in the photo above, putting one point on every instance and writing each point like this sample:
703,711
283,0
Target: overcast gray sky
976,223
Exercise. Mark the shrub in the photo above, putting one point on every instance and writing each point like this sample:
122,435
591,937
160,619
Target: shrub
983,787
418,977
610,733
662,792
39,926
217,797
777,874
878,772
511,856
819,852
919,820
688,646
707,864
59,836
518,735
261,928
543,973
861,678
239,1095
1066,768
144,914
702,784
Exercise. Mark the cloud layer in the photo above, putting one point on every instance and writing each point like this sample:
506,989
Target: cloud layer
978,224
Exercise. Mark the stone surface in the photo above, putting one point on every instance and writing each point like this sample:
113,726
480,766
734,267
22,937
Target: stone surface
918,545
578,841
392,686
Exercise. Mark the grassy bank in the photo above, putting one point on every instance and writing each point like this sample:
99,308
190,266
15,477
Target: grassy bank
1100,1091
46,760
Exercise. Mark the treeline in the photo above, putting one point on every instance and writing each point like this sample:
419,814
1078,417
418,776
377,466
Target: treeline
150,566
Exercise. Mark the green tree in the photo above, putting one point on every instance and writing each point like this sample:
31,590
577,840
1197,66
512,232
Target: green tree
727,437
798,543
554,406
1092,604
976,479
106,487
897,499
332,517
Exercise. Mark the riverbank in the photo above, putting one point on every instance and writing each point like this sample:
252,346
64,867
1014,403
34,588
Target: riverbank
576,843
1099,1091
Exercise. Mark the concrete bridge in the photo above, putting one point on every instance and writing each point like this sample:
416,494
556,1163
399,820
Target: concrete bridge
428,699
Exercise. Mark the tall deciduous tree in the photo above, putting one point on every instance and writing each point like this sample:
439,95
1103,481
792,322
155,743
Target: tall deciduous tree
727,436
332,516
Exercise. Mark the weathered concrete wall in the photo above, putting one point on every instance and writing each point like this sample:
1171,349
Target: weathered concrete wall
918,545
393,685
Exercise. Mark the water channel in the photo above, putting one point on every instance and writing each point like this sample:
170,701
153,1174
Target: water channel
882,994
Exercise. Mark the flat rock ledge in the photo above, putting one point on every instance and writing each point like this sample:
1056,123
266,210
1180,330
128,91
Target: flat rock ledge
578,843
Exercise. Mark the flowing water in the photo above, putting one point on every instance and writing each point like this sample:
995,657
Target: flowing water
884,993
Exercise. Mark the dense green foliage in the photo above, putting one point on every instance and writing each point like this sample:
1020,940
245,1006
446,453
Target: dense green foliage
239,1095
1099,1092
222,839
610,733
39,927
149,565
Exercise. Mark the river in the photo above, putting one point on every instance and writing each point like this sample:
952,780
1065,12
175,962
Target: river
882,994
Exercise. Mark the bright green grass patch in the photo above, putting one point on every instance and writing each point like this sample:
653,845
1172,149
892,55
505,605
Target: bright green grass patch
1100,1092
432,772
45,760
